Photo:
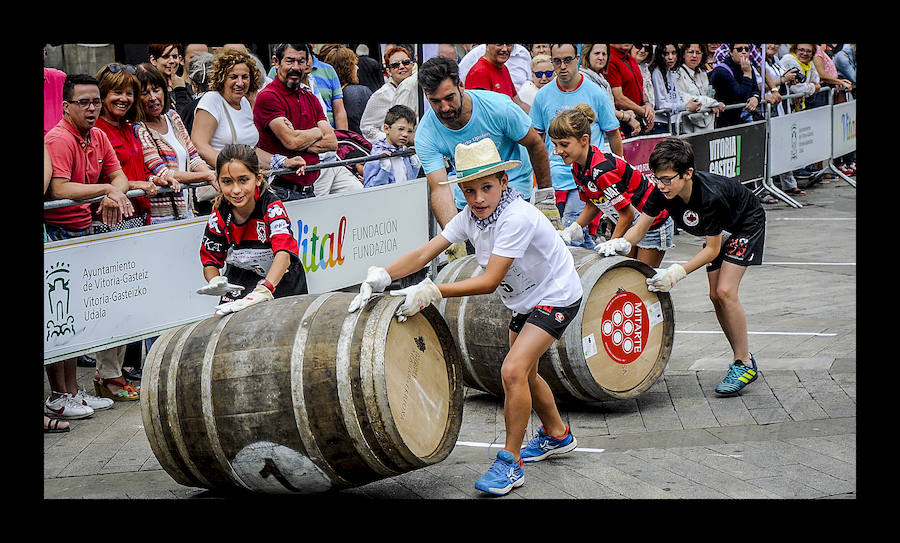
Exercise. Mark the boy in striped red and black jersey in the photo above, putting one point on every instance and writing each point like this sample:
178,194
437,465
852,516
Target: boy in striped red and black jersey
249,234
607,184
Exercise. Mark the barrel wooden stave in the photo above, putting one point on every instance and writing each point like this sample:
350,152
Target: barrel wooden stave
276,409
480,325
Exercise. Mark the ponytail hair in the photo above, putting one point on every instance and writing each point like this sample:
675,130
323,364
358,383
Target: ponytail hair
572,123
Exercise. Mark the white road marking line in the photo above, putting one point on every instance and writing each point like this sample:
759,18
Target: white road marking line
822,334
498,445
787,263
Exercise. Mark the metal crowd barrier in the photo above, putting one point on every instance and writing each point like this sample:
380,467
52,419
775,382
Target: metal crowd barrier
767,181
65,202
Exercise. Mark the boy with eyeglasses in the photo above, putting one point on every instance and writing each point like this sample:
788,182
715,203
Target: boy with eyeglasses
733,222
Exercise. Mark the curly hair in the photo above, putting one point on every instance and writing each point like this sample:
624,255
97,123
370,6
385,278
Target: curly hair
343,60
225,62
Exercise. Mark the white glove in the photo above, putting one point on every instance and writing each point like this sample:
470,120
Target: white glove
614,246
665,279
257,295
377,279
219,286
417,298
573,232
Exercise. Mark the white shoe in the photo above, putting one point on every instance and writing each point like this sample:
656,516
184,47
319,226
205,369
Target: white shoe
66,407
94,402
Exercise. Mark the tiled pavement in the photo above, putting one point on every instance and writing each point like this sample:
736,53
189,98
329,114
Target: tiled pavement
792,434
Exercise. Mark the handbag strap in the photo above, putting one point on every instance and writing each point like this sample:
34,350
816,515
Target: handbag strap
225,106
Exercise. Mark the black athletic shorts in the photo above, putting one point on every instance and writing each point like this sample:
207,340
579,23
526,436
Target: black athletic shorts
743,249
552,320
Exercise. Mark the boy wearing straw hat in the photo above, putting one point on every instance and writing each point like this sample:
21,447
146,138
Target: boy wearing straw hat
526,263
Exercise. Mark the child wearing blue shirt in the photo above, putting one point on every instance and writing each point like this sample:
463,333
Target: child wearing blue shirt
399,125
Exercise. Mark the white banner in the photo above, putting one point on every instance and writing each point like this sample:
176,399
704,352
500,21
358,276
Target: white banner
843,131
115,288
799,139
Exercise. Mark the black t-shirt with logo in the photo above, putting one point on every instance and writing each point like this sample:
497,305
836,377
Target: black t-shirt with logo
717,204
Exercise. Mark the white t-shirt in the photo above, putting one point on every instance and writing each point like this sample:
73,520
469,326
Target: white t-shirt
543,270
180,151
213,103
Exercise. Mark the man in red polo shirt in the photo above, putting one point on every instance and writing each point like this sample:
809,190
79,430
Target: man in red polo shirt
490,73
81,156
627,83
291,122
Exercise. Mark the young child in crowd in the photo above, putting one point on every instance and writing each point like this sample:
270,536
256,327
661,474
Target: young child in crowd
609,185
399,125
526,263
250,232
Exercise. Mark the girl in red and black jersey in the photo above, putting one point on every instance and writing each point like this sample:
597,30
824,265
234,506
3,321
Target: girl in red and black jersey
248,233
607,184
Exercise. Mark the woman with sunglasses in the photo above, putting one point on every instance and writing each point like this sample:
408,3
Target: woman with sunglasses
644,54
693,85
398,64
119,89
732,221
541,74
736,82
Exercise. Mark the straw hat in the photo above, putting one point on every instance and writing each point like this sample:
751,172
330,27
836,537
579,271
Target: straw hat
478,160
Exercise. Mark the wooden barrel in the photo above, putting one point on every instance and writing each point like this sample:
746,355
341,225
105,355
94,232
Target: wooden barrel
616,347
298,395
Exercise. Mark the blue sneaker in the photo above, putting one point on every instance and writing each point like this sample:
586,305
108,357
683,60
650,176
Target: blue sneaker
505,474
738,377
542,445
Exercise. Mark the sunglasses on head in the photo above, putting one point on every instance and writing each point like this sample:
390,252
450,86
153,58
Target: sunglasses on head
395,65
548,73
116,68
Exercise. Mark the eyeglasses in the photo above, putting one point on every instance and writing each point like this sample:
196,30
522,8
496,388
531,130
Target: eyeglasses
548,73
693,52
804,50
741,49
557,62
664,180
395,65
116,68
84,103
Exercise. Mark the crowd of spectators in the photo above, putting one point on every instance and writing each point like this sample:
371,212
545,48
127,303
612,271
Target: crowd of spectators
159,125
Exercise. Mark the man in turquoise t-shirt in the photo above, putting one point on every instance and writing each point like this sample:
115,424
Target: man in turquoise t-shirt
466,116
568,89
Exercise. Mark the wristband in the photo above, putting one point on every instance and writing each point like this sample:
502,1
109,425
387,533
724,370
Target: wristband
266,283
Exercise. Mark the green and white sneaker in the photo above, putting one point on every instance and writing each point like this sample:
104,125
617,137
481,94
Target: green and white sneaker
739,375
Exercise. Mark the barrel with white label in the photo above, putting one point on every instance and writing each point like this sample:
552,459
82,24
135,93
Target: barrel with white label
617,346
296,395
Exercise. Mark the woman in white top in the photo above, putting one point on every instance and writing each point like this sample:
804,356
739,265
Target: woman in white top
399,65
224,114
526,263
693,85
808,82
665,88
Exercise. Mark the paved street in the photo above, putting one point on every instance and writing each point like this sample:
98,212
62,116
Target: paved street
791,434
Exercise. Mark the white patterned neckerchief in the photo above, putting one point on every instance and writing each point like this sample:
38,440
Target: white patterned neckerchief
508,196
